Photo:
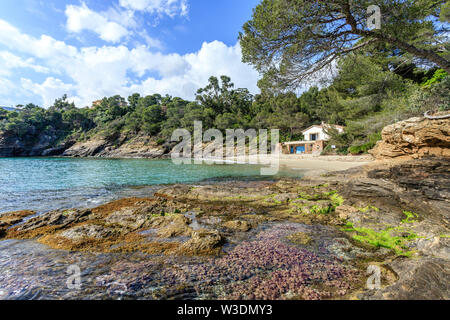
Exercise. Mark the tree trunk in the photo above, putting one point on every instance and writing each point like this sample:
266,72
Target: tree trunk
420,53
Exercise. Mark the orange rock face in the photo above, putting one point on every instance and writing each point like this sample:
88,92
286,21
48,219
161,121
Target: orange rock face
414,138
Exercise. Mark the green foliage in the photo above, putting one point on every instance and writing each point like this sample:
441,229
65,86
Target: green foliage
290,41
438,76
369,207
364,148
409,215
445,12
364,102
333,198
160,141
382,238
337,200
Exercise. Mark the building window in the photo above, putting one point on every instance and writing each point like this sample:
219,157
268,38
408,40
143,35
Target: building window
313,136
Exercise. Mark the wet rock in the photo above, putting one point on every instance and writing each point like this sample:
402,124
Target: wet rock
269,268
344,211
375,219
419,279
436,247
237,225
285,197
429,177
58,219
9,219
89,231
347,251
176,225
173,191
218,192
203,242
128,218
299,238
375,197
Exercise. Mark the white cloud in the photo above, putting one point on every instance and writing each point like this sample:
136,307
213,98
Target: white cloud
213,59
170,8
9,61
95,72
6,86
124,17
45,47
49,90
151,42
81,18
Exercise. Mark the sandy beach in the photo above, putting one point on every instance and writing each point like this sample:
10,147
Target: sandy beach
329,163
311,165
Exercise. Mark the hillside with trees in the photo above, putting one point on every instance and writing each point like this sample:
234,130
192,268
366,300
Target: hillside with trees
373,78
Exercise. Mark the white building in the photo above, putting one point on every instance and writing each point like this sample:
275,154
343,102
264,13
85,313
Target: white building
317,132
314,142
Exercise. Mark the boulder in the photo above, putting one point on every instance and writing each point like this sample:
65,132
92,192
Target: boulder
203,242
178,226
89,231
237,225
127,218
419,279
86,149
416,138
60,218
11,218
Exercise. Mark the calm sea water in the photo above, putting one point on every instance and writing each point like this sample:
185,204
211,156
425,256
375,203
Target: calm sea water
44,184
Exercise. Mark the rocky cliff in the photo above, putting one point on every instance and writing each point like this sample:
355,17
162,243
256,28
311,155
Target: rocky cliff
45,145
122,147
112,147
414,138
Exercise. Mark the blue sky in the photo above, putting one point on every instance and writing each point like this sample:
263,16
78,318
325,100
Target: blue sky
95,48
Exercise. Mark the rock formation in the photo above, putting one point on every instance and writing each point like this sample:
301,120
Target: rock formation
111,147
414,138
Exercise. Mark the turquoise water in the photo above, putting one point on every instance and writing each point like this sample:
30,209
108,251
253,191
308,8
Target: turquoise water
52,183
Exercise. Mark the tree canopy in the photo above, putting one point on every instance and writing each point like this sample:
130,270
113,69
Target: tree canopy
289,41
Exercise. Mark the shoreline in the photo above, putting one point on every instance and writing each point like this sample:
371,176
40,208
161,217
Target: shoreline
357,218
310,165
285,220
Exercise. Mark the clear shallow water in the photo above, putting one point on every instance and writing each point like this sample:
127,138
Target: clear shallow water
30,270
44,184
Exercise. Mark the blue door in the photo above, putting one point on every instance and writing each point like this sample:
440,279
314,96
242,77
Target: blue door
300,150
292,149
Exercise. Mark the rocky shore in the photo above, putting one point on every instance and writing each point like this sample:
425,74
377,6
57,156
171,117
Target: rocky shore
121,146
310,238
305,239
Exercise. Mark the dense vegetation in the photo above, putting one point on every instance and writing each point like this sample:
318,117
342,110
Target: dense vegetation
374,85
365,96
